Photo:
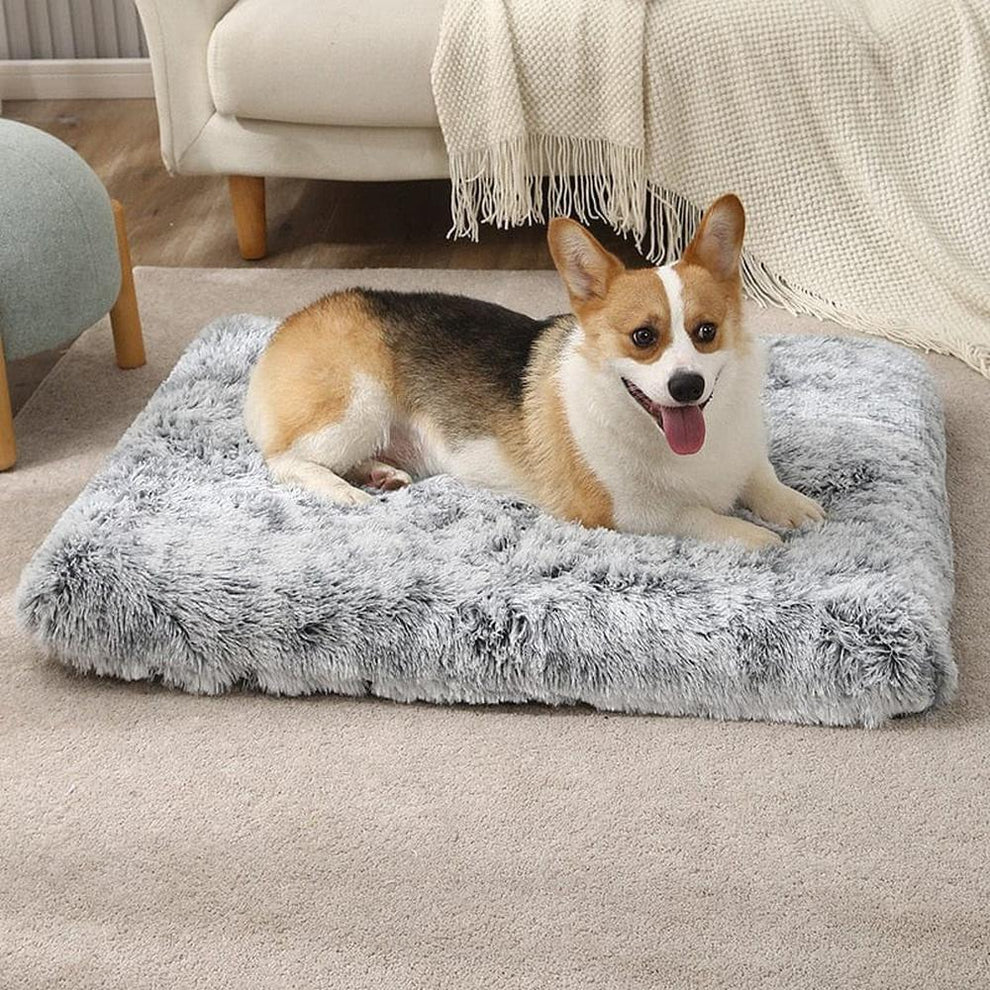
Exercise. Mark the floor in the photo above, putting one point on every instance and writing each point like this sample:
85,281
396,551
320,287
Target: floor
156,839
185,220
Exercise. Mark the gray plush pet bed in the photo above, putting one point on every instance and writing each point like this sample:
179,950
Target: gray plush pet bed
182,561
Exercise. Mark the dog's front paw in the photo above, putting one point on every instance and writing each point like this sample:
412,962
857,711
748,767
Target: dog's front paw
712,527
756,537
788,509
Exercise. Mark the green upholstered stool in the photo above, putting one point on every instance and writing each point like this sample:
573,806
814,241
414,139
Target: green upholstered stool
64,260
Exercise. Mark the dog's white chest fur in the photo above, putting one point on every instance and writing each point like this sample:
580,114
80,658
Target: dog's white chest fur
649,484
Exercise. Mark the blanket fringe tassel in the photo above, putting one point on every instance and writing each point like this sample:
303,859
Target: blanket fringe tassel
529,179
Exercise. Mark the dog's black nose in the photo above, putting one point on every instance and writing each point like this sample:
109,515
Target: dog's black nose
685,386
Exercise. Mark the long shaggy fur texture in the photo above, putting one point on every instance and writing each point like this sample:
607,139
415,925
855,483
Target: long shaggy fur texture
183,562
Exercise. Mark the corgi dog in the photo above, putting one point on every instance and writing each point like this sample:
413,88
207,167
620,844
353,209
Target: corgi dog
640,411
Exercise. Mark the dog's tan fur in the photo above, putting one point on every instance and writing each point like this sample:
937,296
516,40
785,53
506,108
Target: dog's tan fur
560,478
304,378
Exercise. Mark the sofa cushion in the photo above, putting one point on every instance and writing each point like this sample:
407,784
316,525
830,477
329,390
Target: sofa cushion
327,62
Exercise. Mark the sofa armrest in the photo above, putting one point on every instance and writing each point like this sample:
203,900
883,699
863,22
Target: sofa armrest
178,33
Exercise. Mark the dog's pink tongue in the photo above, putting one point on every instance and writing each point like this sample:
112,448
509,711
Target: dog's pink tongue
684,427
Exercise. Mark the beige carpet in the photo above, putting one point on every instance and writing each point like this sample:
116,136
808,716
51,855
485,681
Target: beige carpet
153,839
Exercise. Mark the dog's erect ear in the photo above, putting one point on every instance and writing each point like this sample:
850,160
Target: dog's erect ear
717,243
584,265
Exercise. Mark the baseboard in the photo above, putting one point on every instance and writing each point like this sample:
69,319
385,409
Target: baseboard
75,79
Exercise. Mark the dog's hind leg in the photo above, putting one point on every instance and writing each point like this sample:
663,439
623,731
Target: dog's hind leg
320,459
321,399
290,469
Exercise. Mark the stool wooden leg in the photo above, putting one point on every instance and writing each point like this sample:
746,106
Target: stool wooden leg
124,318
247,197
8,449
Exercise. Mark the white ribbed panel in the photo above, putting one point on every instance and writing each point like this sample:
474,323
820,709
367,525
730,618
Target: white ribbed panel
70,29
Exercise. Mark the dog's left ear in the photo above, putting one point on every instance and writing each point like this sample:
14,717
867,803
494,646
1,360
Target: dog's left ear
717,243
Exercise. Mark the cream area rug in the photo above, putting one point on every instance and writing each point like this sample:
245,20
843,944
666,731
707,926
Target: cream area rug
154,838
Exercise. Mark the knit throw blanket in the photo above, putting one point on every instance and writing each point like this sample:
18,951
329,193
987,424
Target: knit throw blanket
856,132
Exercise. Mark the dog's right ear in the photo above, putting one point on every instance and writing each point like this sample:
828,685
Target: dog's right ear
585,266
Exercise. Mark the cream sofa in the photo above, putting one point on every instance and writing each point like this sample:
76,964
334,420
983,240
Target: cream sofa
329,89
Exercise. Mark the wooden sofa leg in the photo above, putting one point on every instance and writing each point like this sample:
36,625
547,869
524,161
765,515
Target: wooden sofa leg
128,342
8,449
247,197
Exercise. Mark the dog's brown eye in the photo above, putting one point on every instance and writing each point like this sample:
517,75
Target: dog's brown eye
644,336
705,332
